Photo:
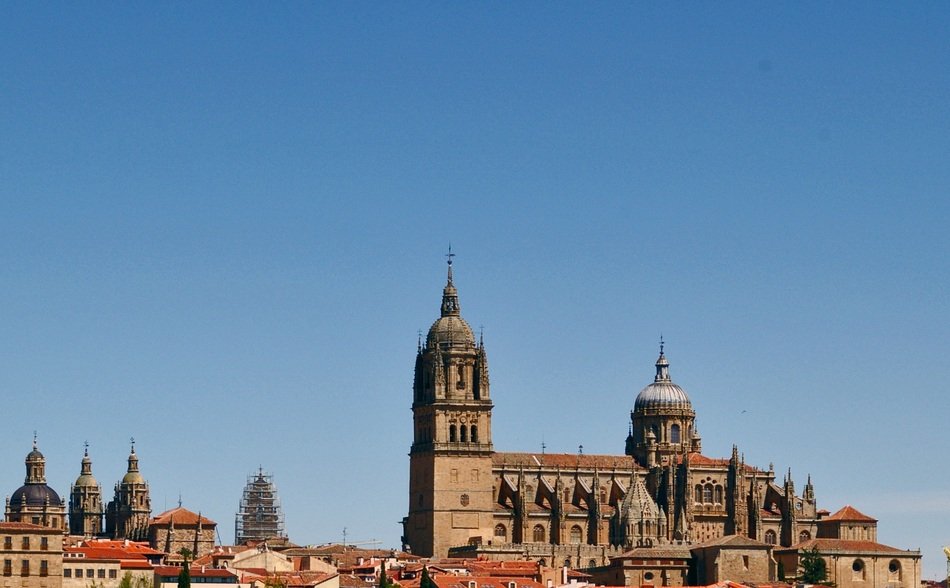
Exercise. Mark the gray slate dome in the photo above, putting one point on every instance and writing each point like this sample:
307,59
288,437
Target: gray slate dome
34,495
662,393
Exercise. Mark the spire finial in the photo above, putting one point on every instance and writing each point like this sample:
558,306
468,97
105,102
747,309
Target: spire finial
661,344
132,442
85,445
34,438
419,341
179,500
449,257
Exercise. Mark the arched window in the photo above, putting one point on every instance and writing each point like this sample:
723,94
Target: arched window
577,534
858,568
770,537
501,532
452,433
675,434
699,493
894,570
542,562
592,563
719,494
474,434
538,535
804,536
708,494
567,563
464,434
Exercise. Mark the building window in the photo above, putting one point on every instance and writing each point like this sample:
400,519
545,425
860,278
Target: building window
26,542
894,569
858,568
745,562
25,568
577,534
8,567
67,572
474,434
804,536
452,433
464,434
102,572
79,572
708,494
44,543
719,494
567,563
699,493
501,532
592,563
675,434
770,537
44,568
36,520
112,574
542,562
538,535
648,576
8,542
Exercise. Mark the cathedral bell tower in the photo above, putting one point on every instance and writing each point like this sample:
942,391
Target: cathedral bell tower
450,463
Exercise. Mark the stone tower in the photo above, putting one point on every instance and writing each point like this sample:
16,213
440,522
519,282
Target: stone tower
35,502
85,502
128,513
450,462
662,420
259,515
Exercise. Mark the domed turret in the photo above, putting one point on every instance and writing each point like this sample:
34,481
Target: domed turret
132,476
34,501
85,474
662,419
85,501
450,331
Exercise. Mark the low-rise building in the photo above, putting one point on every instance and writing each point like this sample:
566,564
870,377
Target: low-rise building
32,556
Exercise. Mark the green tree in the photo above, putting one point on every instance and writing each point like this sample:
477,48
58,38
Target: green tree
184,576
426,581
383,580
814,569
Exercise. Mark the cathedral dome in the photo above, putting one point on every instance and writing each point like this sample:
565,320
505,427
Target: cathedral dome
662,394
450,329
34,495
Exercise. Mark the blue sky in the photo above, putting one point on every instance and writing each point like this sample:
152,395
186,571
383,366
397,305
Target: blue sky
222,226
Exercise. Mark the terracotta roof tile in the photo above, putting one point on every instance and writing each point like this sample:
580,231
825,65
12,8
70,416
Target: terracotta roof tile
28,527
842,545
849,513
181,516
565,461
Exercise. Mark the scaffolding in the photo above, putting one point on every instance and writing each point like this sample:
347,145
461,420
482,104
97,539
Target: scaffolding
259,515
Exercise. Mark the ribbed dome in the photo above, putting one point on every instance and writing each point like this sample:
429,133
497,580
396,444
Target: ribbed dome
662,393
133,478
34,495
85,477
35,454
452,331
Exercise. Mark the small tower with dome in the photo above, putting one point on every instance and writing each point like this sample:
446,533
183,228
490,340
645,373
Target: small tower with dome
128,514
35,502
662,420
85,501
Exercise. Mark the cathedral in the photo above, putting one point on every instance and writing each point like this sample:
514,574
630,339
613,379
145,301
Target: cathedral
577,510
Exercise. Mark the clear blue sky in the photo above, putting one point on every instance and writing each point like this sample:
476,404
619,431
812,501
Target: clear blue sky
222,225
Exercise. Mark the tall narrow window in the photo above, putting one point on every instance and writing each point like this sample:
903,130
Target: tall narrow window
577,535
464,436
474,433
770,537
538,535
452,433
675,434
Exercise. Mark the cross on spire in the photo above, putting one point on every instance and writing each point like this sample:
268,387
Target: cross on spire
34,438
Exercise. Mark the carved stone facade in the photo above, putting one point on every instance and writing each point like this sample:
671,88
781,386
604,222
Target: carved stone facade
128,513
85,502
178,529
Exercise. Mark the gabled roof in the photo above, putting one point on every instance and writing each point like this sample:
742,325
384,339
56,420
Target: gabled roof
566,461
843,546
849,513
484,582
733,541
195,572
181,516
